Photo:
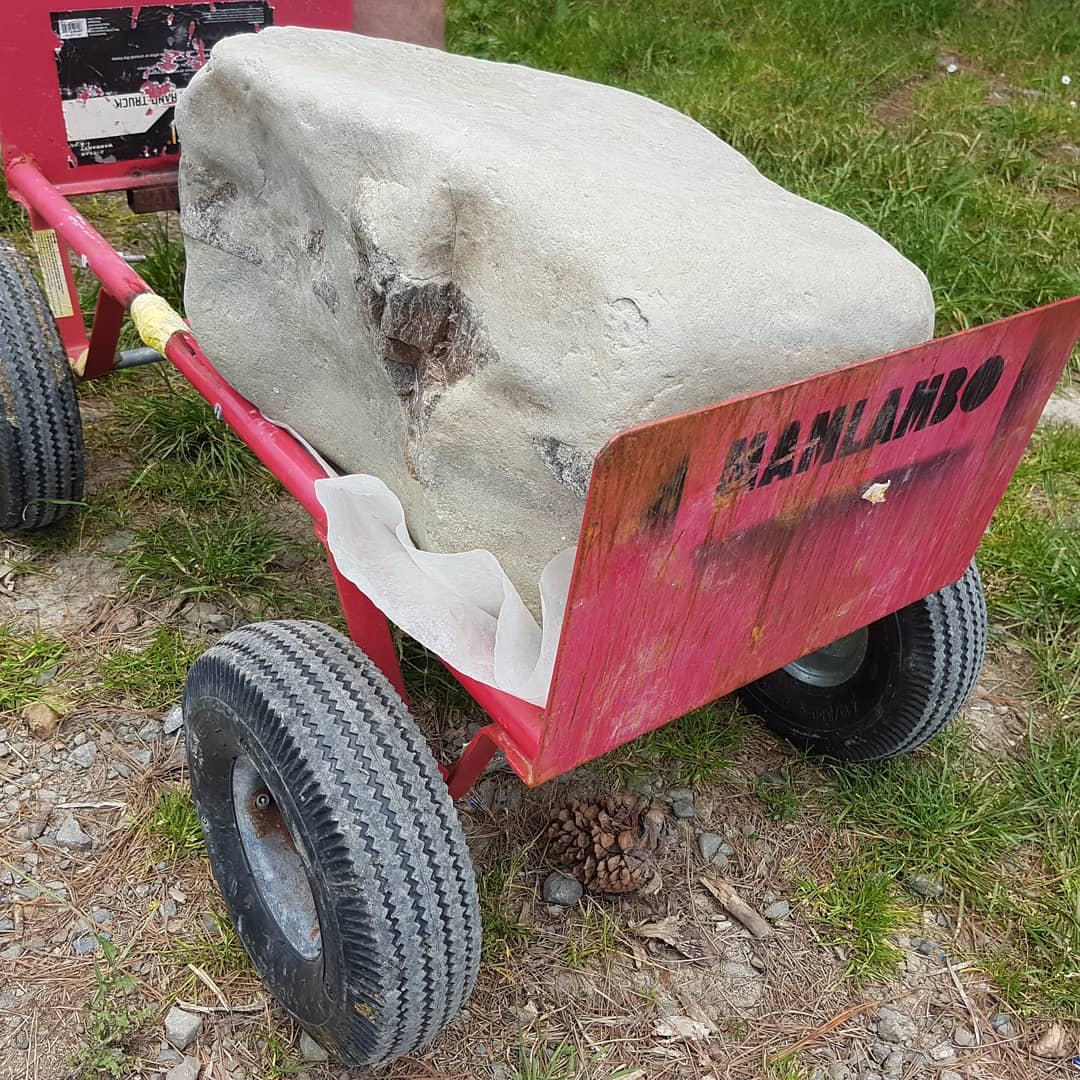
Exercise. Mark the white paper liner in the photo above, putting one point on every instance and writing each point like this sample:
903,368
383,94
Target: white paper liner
461,606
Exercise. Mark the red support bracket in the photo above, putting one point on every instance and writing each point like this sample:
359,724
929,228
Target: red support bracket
368,628
104,336
468,768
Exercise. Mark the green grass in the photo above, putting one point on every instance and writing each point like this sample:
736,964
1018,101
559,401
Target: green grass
218,952
1031,562
224,553
112,1028
153,677
969,189
592,938
562,1062
169,425
859,908
174,826
13,222
23,662
689,752
281,1060
501,894
781,801
1001,834
165,264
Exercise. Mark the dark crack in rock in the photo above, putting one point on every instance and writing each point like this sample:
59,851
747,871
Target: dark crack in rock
202,219
568,464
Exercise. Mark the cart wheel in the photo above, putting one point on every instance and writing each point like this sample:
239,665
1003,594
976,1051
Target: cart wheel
886,689
333,838
41,446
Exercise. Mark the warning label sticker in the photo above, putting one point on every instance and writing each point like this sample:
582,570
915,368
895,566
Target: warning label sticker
52,273
121,70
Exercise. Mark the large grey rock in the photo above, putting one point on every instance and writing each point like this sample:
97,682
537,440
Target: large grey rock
465,277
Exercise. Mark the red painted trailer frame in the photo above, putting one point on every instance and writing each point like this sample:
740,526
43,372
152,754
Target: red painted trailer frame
716,546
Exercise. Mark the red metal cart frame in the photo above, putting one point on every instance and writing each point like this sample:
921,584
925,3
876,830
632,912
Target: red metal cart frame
730,540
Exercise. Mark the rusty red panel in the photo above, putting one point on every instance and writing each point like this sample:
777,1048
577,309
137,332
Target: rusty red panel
720,545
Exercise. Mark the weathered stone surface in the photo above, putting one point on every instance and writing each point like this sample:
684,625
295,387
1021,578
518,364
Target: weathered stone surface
182,1028
465,277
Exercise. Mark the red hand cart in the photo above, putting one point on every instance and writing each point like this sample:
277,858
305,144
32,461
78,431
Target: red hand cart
810,546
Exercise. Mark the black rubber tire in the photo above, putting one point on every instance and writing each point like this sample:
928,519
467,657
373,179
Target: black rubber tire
373,823
921,663
41,444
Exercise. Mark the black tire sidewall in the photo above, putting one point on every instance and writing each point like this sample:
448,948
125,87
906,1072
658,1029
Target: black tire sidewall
41,444
831,719
314,991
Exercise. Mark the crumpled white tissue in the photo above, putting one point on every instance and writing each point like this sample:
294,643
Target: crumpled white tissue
461,606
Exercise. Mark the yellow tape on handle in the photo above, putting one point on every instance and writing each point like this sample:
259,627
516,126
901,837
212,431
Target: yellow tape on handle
155,319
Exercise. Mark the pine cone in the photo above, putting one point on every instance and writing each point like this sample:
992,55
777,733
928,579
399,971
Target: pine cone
611,844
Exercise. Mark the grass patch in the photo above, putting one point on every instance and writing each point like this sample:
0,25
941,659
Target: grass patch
281,1061
13,220
858,906
23,663
165,264
1003,837
780,800
504,933
152,677
174,826
221,553
1031,561
218,951
967,180
562,1062
944,812
592,938
171,425
688,752
111,1028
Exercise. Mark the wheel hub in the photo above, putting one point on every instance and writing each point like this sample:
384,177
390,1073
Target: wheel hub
274,860
834,664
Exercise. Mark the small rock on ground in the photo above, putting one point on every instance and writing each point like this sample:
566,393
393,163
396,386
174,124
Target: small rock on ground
711,845
41,719
926,886
894,1027
174,721
1003,1025
1053,1044
188,1069
781,909
562,890
963,1036
71,836
682,808
182,1028
84,756
310,1050
84,946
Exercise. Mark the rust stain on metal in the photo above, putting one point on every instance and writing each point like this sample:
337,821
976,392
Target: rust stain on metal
268,822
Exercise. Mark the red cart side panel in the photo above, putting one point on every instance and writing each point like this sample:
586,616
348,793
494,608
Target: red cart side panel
720,545
89,85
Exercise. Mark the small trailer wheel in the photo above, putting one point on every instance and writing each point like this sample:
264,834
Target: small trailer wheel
883,690
333,838
41,445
